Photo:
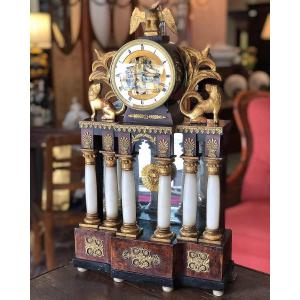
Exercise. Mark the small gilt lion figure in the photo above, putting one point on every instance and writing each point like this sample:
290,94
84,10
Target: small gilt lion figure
108,110
211,105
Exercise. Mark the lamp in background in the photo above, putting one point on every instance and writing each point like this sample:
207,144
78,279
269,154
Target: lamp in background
265,34
40,92
40,30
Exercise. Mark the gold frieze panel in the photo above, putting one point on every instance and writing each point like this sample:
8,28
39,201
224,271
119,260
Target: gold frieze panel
212,147
163,147
124,144
141,258
137,137
189,146
107,142
87,140
198,261
94,247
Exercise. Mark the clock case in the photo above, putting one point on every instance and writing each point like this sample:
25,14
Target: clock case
169,112
181,262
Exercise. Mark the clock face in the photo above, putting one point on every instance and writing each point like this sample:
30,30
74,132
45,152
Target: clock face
143,74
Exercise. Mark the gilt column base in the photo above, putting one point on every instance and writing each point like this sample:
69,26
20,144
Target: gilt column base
163,235
188,233
111,224
90,221
130,231
213,236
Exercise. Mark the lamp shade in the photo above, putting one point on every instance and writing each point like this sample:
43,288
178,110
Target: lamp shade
40,30
265,34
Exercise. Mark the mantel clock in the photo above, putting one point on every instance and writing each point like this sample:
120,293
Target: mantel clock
149,90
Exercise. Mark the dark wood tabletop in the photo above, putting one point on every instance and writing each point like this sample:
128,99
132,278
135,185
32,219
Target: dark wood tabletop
67,283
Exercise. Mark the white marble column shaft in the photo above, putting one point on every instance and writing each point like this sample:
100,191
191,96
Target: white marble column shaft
164,201
189,200
213,202
128,198
111,192
90,189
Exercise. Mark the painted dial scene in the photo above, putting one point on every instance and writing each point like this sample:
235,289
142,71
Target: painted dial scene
143,74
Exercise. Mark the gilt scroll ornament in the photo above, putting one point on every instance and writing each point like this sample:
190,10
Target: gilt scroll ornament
150,177
198,261
108,142
189,146
87,140
124,145
200,67
100,76
163,148
93,247
212,148
141,258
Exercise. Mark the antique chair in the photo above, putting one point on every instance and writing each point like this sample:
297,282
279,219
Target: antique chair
45,217
248,187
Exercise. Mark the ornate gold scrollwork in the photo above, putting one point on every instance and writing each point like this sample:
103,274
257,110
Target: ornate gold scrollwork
124,145
89,156
163,147
147,136
87,140
126,162
150,177
200,67
141,257
100,75
213,165
94,247
189,146
198,261
147,117
164,165
109,159
212,147
190,164
107,142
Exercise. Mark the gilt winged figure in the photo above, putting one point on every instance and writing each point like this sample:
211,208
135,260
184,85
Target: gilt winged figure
151,19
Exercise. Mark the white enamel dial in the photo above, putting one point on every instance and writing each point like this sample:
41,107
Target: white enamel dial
142,74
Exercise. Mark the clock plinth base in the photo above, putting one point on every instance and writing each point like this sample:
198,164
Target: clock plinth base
180,263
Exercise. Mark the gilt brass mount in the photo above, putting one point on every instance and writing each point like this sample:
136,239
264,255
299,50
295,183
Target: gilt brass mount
130,231
89,156
188,233
213,165
111,224
163,235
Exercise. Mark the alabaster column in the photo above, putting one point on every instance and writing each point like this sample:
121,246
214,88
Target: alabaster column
162,232
129,228
188,230
212,231
91,217
110,191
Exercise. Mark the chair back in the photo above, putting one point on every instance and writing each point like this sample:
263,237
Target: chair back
250,180
70,161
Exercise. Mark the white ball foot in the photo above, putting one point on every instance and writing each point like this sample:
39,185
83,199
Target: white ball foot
118,280
81,270
167,289
218,293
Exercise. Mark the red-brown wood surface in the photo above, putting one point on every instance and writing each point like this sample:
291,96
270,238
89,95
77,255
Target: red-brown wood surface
164,251
218,258
81,234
